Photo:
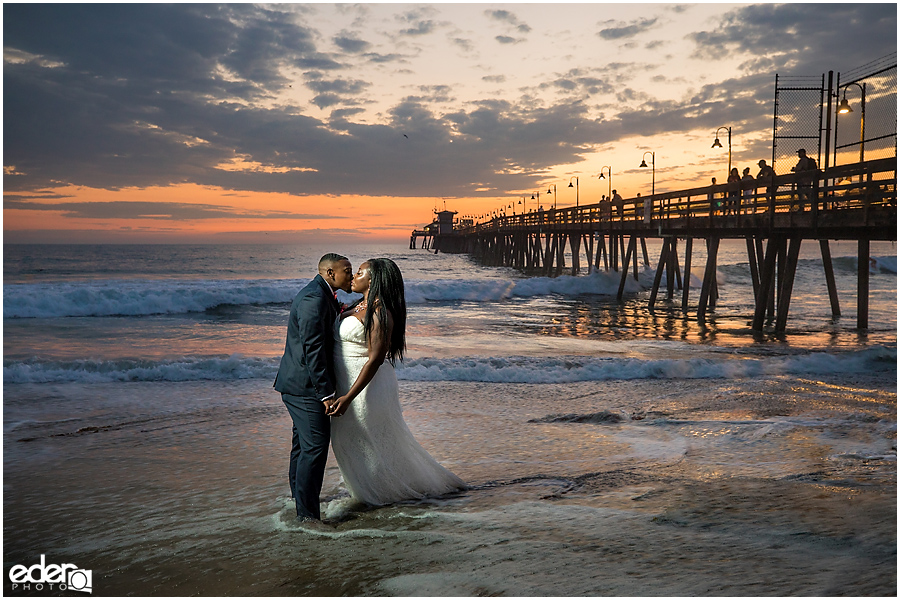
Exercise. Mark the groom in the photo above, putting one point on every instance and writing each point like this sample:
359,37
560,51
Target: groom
306,379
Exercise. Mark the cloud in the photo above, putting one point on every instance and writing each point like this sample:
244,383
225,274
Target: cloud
171,211
626,30
463,43
509,18
580,81
338,85
505,39
859,34
377,58
419,21
351,44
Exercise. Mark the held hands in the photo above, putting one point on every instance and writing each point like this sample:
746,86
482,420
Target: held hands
337,407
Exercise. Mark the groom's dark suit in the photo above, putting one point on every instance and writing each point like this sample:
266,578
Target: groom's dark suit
305,378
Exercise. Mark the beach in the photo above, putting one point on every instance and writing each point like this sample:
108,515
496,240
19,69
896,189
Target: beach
608,451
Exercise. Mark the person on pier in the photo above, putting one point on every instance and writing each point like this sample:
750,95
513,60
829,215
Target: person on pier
749,191
766,177
714,204
619,203
805,170
733,185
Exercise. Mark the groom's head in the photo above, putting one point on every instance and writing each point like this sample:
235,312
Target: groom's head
336,270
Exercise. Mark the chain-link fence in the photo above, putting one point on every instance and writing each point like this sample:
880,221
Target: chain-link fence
865,126
863,119
799,111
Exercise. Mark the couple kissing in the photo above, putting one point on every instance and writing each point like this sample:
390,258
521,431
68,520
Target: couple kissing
337,381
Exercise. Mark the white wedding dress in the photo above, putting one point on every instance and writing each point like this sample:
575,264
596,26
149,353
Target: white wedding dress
380,460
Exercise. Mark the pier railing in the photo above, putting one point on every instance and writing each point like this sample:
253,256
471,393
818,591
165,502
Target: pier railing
846,197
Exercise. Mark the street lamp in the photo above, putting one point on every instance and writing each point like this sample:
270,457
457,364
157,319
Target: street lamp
576,188
653,163
652,181
608,170
553,185
844,108
718,144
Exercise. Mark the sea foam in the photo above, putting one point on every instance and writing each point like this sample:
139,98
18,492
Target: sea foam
516,369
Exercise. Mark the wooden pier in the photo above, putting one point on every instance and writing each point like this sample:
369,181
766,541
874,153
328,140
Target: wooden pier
850,202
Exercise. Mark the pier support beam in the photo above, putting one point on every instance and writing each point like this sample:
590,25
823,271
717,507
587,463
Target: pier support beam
549,251
601,249
829,278
634,258
688,247
707,292
673,275
657,278
628,253
862,287
754,267
646,256
766,283
787,285
560,253
589,250
575,247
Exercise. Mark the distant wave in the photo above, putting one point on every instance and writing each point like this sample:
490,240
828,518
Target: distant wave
481,369
492,290
877,264
154,297
885,263
139,297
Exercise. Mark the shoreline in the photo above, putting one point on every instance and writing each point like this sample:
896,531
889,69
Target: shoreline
772,486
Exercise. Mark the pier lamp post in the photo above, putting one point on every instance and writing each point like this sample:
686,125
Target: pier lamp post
647,210
553,185
844,109
609,180
576,188
718,144
653,163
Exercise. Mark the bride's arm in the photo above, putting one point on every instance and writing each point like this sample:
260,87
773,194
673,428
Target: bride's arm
378,349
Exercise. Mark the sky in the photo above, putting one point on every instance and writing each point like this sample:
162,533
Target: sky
292,123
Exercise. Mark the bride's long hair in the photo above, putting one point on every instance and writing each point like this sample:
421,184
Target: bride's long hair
386,294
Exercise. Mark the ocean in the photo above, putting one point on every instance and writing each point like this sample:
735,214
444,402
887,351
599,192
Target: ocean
609,450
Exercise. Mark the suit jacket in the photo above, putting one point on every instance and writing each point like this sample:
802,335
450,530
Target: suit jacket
307,366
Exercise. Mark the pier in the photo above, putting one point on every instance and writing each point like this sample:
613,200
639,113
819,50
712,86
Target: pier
849,202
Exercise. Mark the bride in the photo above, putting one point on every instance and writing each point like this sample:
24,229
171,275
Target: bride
380,460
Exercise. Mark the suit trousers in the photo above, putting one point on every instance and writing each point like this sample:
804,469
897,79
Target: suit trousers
310,436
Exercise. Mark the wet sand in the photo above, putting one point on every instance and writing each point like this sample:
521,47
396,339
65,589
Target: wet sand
776,486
